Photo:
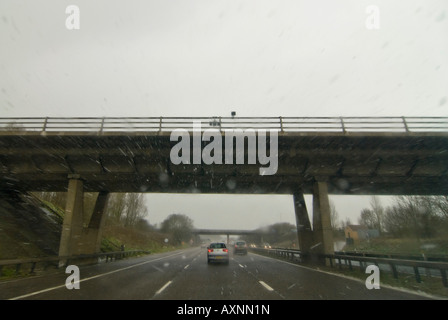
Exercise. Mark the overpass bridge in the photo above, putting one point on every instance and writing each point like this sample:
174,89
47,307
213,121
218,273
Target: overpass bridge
227,232
319,156
224,231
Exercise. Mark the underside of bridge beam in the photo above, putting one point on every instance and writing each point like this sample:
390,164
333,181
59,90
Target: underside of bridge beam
78,237
304,231
322,230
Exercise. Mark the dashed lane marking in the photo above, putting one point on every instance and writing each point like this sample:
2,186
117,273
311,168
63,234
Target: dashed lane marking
94,277
164,287
264,284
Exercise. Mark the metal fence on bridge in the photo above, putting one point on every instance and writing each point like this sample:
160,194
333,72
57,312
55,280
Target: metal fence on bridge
282,124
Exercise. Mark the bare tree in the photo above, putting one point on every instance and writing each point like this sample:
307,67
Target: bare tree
334,216
378,213
367,218
373,218
346,222
126,208
415,216
179,226
116,208
439,204
56,198
123,208
135,209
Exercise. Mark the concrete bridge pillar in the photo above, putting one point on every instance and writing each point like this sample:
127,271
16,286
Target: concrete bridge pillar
323,232
80,235
304,231
73,220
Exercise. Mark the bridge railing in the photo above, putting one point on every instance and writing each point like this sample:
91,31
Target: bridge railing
349,260
45,262
282,124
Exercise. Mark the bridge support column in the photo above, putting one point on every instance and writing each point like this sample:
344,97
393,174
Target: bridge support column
304,232
79,236
323,232
73,221
93,233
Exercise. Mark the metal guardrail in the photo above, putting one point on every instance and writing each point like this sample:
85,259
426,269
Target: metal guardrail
282,124
393,263
290,254
415,264
47,261
420,257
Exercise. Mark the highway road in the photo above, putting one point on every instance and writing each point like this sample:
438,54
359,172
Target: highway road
185,275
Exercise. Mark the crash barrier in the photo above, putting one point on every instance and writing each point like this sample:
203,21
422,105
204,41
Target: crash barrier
432,266
32,263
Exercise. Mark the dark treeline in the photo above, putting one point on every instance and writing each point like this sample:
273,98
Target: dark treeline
129,210
126,209
409,216
278,233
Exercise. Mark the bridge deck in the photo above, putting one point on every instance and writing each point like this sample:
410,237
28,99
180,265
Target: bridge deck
354,155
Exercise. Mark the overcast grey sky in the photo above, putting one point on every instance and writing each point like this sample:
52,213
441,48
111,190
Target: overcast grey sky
246,212
210,57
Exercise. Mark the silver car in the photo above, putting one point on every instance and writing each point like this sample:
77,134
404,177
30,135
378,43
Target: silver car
218,252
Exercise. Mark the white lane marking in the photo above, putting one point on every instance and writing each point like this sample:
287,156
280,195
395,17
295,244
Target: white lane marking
351,278
158,269
241,266
264,284
186,267
164,287
93,277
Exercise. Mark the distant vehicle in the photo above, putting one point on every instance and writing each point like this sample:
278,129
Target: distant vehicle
218,252
240,247
267,246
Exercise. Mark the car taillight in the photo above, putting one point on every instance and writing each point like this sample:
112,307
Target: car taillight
225,250
210,250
